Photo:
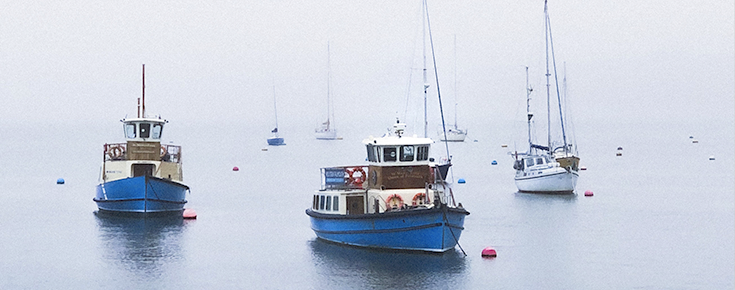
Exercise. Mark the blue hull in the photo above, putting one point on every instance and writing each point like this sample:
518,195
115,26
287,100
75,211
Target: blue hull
142,194
275,141
432,230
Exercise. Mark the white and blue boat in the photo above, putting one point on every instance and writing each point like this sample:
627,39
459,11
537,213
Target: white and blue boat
275,140
141,176
398,201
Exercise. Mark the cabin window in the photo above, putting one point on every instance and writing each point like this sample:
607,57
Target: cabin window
407,153
377,153
156,132
422,153
143,169
329,203
321,202
539,161
145,130
529,162
335,205
315,203
130,131
389,154
371,153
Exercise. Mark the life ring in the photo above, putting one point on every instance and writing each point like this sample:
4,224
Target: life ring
163,151
115,152
357,180
389,202
422,197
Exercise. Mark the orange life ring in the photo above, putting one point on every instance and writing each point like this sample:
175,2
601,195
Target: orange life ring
163,151
357,180
391,198
420,197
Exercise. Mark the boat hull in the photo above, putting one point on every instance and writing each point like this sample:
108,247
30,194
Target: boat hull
559,182
423,229
326,135
141,194
453,136
275,141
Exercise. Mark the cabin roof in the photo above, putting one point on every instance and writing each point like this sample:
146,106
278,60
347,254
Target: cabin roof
395,140
156,120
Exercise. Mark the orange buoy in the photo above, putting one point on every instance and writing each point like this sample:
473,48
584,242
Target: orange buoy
235,168
190,213
489,252
588,193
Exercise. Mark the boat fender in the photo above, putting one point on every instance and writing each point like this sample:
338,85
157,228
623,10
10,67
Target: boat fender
420,199
389,201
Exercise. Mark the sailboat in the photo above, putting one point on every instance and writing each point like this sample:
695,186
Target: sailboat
327,131
554,167
454,132
141,177
399,200
275,140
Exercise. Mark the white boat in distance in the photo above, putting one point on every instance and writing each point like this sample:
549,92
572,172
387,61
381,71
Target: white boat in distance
546,169
326,131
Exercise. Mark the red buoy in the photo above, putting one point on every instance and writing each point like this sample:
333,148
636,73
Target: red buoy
489,252
235,168
588,193
190,213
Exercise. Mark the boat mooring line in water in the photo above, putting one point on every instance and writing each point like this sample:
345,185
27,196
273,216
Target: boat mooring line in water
444,213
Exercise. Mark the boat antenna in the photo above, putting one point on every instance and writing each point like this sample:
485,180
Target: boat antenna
425,20
436,77
143,92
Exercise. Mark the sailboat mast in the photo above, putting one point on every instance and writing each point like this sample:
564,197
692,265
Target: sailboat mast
424,11
556,80
275,109
548,85
455,82
329,78
528,111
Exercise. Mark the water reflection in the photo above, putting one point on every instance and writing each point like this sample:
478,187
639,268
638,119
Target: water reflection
143,246
546,197
340,266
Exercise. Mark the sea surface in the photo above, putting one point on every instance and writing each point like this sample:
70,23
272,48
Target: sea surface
662,215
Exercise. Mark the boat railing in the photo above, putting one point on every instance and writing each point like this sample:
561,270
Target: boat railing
344,177
119,152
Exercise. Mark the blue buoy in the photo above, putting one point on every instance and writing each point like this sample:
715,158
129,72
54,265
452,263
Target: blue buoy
461,180
494,162
60,181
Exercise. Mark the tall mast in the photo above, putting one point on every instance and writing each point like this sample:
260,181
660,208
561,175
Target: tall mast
424,11
455,81
274,106
528,111
329,75
548,85
143,91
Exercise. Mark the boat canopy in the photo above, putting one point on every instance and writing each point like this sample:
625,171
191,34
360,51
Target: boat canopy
143,129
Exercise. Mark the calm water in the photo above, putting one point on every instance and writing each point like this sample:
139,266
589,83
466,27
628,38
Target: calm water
662,216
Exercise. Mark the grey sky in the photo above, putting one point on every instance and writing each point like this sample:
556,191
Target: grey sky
65,60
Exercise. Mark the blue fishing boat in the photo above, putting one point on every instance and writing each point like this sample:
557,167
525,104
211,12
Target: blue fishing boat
399,200
141,176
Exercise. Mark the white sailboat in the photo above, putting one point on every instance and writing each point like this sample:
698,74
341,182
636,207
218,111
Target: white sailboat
326,130
454,132
553,168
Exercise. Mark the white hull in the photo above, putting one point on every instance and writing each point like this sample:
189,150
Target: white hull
556,180
453,135
326,135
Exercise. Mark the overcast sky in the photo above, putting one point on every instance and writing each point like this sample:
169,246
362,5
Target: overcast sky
70,60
